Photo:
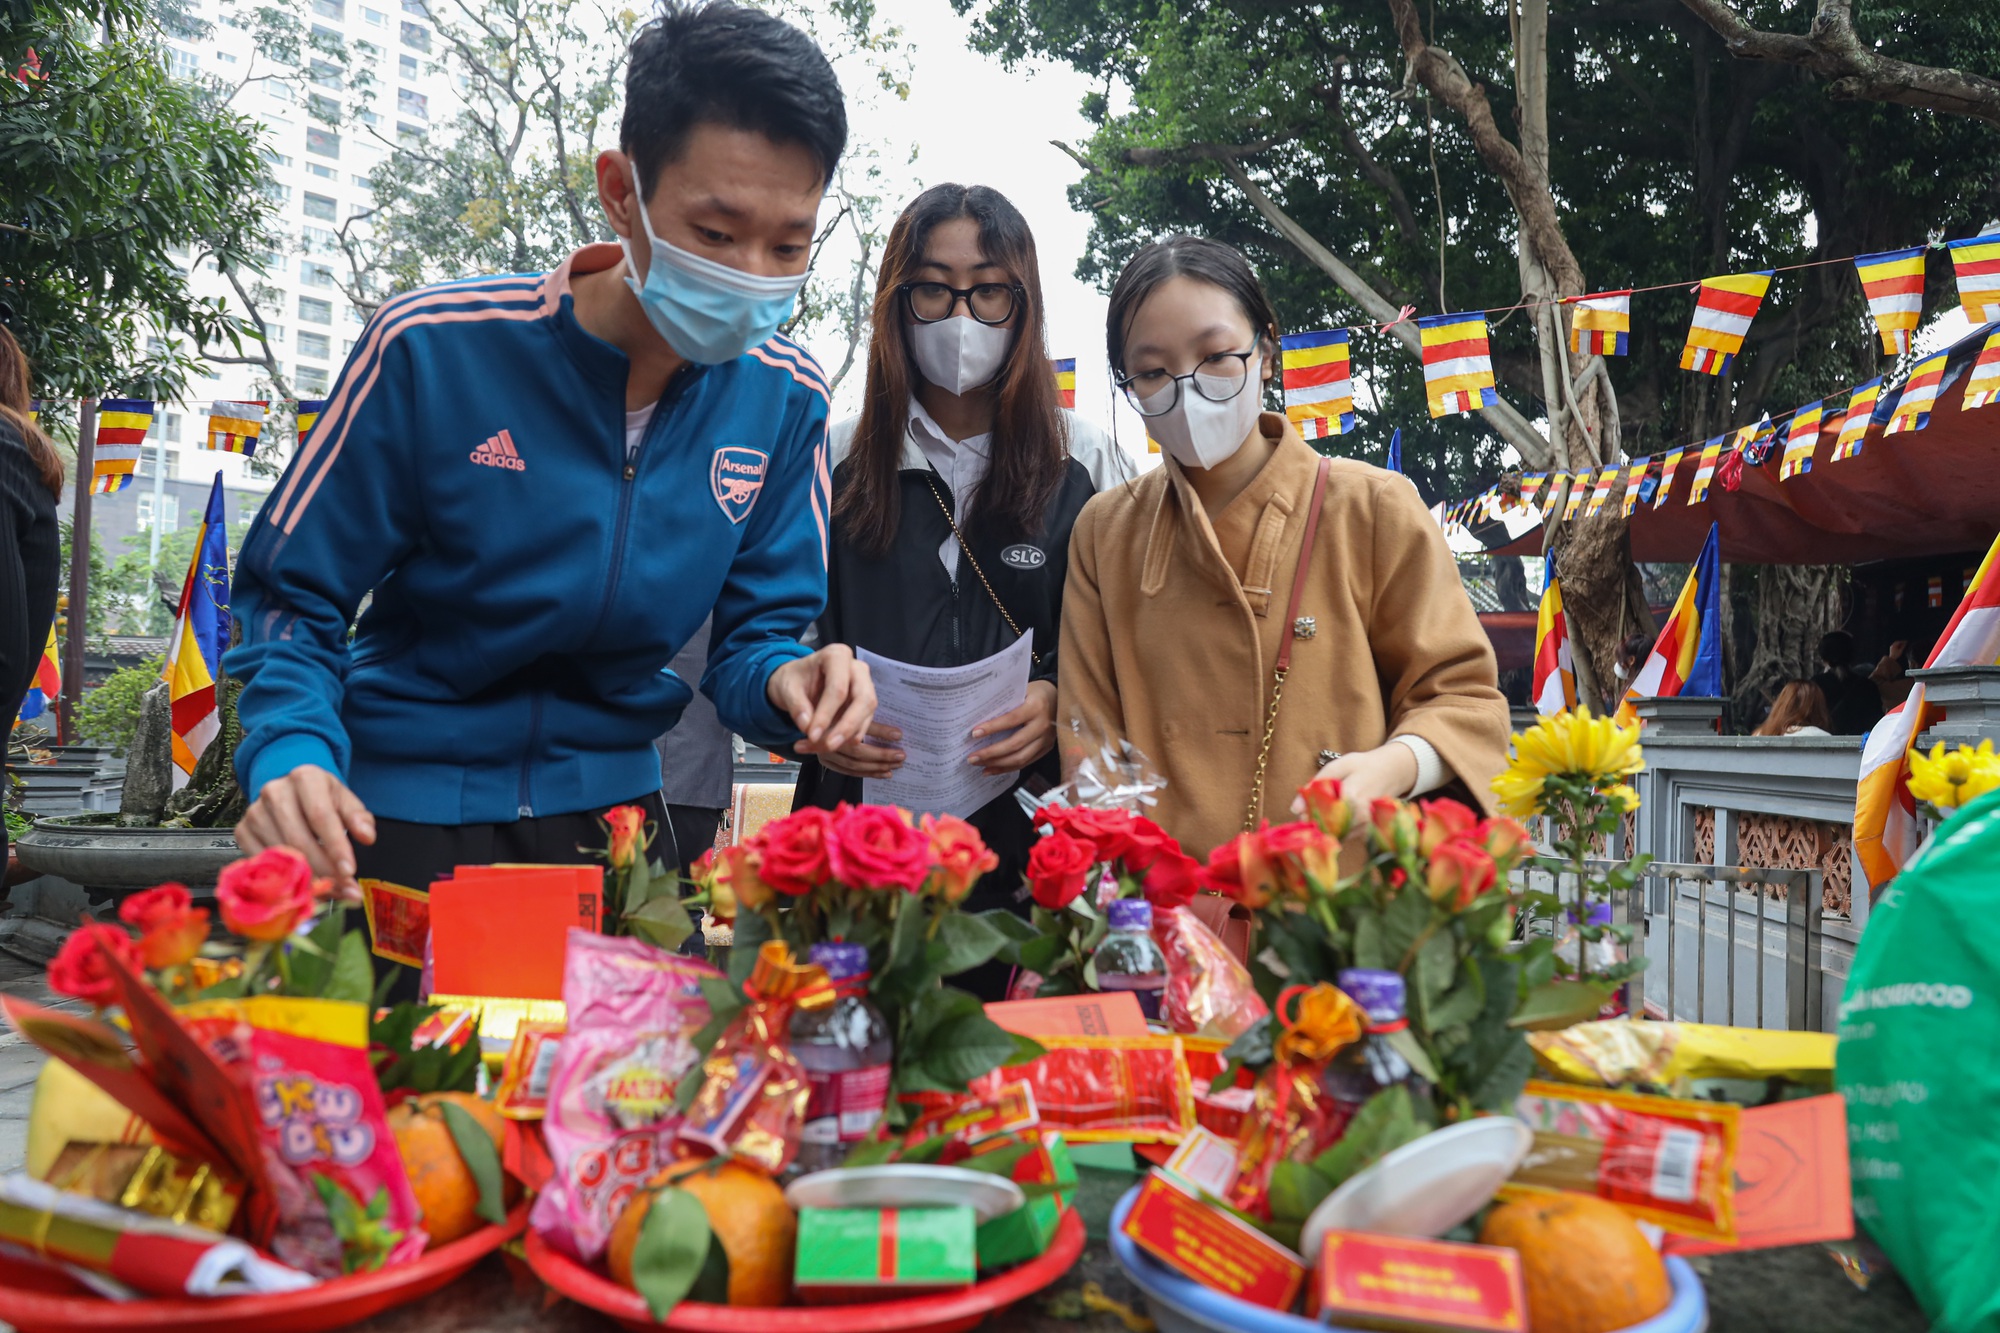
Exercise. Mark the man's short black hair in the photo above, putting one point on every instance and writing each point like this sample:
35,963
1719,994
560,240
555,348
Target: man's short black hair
1836,648
715,62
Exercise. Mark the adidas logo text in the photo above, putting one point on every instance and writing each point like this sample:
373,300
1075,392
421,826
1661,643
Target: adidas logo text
499,451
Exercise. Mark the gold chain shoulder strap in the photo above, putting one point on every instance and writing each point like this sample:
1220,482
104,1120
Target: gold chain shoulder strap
1284,663
930,480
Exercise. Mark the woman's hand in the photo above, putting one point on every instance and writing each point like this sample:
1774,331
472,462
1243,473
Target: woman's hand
873,756
1034,728
1388,770
827,695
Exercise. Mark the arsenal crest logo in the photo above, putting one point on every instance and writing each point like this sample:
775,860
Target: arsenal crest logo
736,475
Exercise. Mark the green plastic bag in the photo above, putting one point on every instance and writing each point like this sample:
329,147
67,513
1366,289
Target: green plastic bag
1919,1033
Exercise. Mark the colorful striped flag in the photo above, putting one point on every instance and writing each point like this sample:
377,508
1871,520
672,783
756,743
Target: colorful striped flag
1704,472
1722,314
1531,486
1579,491
1602,491
1920,391
35,410
46,683
1393,460
1885,815
1976,259
1633,484
1754,443
1458,365
1318,382
1668,466
233,426
1601,323
1065,381
1801,440
1687,657
1854,426
1893,281
122,424
1982,386
1555,668
310,408
201,632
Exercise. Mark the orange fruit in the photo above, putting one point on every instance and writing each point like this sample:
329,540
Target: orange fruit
443,1184
1588,1267
746,1211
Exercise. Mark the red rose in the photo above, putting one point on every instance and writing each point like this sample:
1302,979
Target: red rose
793,852
79,968
1172,880
959,853
1146,843
1058,866
874,847
267,896
1443,820
1239,869
1294,851
171,929
1459,872
1109,832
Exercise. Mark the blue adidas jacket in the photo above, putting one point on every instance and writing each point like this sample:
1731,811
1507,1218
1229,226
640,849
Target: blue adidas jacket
530,587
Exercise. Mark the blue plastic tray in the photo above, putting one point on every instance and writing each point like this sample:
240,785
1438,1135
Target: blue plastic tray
1182,1305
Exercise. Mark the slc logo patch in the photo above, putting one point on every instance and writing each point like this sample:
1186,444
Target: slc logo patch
736,475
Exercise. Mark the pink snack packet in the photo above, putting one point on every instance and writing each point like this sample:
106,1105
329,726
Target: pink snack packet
344,1200
633,1012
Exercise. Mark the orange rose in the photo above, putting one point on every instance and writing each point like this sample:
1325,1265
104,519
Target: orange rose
628,835
1393,826
960,856
1443,820
1459,872
267,896
736,880
1326,807
171,927
1504,840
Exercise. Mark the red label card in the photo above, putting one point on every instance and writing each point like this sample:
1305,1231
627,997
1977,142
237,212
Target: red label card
1421,1283
1212,1247
399,920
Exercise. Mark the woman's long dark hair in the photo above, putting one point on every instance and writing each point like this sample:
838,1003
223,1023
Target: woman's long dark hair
15,400
1030,446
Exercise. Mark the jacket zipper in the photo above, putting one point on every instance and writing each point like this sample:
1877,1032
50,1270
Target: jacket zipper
625,489
527,806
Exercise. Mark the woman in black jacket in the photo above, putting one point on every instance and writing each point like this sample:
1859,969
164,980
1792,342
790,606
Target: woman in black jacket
31,479
954,493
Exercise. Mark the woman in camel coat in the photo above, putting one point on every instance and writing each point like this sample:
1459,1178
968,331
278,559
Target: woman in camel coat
1180,583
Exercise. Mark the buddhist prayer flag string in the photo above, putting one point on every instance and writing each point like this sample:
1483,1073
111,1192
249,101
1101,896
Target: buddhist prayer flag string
1602,490
233,427
1800,441
122,424
1860,411
1579,491
1893,282
1723,310
1066,381
1319,383
1634,482
1976,259
1982,386
1601,324
1668,466
1458,365
1704,473
309,410
1913,409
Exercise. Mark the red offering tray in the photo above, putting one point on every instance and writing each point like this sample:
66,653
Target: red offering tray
946,1313
38,1299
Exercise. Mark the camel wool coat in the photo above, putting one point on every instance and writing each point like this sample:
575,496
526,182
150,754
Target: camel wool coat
1171,629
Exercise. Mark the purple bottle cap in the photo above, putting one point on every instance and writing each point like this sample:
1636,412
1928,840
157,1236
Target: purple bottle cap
1380,994
1131,914
842,962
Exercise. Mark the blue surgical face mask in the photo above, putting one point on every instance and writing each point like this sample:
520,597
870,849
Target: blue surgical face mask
708,312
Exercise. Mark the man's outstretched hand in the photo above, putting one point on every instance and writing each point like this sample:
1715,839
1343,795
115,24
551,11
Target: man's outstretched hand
312,812
828,696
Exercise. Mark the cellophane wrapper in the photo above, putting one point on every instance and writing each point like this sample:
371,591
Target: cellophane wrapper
1209,993
752,1102
320,1113
1095,1089
633,1013
1291,1118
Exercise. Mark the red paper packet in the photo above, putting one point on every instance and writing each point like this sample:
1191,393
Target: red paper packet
1096,1089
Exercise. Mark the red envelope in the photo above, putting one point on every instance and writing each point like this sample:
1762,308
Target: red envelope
1111,1014
504,931
1792,1185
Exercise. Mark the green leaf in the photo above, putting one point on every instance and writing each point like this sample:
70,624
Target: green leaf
1039,955
1009,924
1560,1003
753,931
999,1161
968,941
1384,1123
1402,922
352,977
482,1159
672,1250
1437,963
689,1088
1538,961
873,1152
1502,1083
1253,1046
1368,947
1405,1044
1296,1189
962,1049
383,985
661,922
712,1287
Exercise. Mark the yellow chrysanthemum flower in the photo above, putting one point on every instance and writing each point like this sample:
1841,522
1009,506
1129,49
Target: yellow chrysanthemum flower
1572,744
1949,779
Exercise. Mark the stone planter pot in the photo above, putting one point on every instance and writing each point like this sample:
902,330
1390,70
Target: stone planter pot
94,853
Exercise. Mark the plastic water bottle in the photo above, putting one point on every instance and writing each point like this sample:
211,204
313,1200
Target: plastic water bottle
1368,1066
1128,959
845,1048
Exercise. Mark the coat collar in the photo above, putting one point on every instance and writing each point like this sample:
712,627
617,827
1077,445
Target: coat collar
1287,474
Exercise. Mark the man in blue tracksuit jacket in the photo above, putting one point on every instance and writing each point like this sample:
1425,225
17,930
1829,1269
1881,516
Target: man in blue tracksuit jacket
548,482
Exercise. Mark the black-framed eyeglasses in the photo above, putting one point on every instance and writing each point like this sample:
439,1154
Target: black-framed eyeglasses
987,302
1219,378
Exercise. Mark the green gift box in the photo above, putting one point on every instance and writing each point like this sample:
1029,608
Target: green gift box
858,1254
1016,1237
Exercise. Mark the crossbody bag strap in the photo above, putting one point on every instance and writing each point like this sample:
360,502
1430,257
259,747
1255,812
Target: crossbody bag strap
1286,634
973,560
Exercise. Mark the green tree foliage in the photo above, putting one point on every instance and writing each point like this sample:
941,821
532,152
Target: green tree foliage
1670,161
109,714
111,175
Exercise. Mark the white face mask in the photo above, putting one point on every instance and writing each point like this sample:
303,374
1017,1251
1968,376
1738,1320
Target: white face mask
1196,432
960,353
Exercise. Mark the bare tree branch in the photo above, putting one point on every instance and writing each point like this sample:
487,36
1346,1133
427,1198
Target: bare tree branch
1853,70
